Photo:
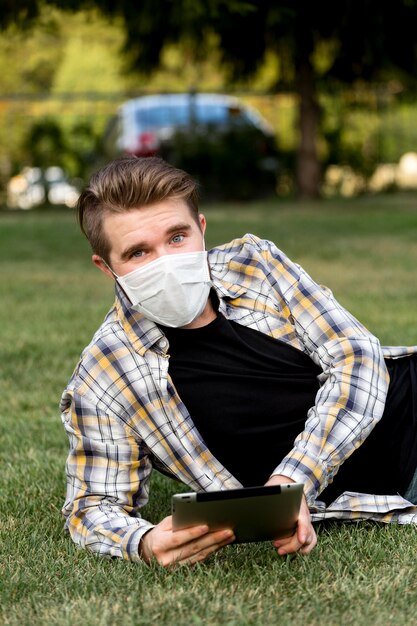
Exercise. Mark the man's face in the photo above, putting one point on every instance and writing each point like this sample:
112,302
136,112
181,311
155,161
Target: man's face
139,236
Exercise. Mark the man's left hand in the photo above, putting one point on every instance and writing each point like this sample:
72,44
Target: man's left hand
304,538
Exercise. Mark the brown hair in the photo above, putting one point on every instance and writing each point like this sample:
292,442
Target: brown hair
130,183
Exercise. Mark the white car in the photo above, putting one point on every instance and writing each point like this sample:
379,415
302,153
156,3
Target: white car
144,126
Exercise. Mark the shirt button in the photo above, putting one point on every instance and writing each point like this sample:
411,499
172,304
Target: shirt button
163,343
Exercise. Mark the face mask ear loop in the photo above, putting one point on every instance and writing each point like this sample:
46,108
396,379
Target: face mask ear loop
109,268
115,275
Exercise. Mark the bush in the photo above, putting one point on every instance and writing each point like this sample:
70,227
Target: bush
48,143
234,163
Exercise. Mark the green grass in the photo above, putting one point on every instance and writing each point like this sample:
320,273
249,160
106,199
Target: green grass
52,301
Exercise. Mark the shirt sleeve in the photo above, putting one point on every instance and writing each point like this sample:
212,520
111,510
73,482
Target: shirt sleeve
355,380
107,481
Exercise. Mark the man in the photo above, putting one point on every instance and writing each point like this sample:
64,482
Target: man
222,369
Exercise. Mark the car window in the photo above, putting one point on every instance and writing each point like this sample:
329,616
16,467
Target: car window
159,116
180,114
206,113
219,113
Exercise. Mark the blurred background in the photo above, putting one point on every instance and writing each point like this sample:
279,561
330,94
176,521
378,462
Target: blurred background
255,99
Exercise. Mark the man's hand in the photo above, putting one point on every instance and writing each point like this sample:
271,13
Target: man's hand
304,538
182,547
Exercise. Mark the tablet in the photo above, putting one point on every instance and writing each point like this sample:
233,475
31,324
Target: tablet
254,513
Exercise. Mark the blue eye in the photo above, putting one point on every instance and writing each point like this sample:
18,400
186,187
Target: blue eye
178,238
138,253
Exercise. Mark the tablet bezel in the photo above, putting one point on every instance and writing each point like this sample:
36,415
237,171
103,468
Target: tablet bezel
254,513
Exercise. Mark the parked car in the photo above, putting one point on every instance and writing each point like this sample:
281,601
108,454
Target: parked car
210,135
143,125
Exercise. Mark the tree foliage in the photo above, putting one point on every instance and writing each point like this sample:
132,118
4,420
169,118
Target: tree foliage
318,44
368,40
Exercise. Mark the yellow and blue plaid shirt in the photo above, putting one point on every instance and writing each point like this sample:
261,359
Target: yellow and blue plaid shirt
123,416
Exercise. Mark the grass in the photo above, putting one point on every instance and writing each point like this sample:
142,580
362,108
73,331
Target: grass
52,301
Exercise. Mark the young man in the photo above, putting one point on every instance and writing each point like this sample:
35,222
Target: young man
222,369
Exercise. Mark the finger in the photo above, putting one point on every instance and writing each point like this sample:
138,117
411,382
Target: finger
166,524
202,546
299,542
288,547
304,535
307,548
161,542
304,528
189,534
201,551
291,540
305,531
309,545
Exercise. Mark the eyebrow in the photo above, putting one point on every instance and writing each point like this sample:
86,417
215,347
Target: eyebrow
140,245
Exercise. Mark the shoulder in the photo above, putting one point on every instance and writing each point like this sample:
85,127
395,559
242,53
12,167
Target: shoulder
103,360
247,246
251,254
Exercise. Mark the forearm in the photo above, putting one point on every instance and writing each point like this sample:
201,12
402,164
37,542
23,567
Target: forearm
106,530
348,406
107,476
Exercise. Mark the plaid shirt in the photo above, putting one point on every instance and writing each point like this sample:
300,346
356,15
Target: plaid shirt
123,416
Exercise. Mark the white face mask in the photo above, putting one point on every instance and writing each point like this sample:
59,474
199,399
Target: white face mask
172,290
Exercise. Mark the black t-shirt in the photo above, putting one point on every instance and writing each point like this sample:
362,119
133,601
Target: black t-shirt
386,461
249,394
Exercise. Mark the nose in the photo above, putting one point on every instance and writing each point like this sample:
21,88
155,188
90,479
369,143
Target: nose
162,250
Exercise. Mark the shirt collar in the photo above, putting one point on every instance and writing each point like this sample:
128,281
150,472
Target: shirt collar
144,333
227,290
218,270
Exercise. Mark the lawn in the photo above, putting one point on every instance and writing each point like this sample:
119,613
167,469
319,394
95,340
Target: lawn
53,299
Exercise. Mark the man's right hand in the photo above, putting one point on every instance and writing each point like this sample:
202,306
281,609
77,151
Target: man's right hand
182,547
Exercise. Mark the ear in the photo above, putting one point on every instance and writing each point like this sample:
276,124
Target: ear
98,262
203,223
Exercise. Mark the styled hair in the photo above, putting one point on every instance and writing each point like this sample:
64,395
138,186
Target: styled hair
130,183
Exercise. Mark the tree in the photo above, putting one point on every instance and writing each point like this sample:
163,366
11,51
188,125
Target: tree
369,40
318,43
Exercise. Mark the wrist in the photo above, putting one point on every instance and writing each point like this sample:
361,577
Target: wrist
279,479
145,551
